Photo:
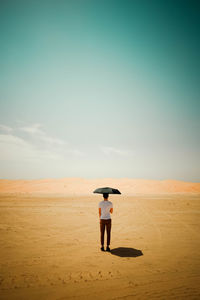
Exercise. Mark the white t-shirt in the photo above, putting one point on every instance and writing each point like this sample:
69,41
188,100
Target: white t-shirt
105,206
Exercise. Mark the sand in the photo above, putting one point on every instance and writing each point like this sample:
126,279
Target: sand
50,247
81,186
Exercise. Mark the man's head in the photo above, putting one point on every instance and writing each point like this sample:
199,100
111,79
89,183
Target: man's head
105,195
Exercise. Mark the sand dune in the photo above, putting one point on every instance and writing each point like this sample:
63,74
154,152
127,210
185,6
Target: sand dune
80,186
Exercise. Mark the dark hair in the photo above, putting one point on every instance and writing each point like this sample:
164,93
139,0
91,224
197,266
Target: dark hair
105,195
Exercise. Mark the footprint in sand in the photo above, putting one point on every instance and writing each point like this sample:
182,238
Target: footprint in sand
110,274
100,274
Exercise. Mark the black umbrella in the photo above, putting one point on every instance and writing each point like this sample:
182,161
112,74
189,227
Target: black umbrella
107,190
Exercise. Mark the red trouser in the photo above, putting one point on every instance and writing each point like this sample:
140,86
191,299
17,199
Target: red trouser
105,223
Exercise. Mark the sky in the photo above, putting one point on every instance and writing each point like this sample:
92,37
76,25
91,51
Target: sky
100,89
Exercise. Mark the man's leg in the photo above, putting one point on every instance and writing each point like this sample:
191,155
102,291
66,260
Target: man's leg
102,228
108,230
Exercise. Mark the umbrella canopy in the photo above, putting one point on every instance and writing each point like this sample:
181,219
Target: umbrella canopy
107,190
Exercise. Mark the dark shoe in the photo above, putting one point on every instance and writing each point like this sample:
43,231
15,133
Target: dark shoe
102,249
108,249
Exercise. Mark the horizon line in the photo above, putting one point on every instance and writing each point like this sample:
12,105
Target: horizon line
98,178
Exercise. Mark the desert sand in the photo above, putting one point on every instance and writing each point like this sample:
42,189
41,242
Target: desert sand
81,186
50,244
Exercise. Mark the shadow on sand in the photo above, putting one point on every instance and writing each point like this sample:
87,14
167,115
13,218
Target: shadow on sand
126,252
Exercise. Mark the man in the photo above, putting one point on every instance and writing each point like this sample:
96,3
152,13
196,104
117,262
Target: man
105,208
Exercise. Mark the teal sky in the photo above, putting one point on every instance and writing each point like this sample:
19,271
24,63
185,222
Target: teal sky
99,89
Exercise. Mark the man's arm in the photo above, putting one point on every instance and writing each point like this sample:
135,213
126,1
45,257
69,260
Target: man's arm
111,210
99,212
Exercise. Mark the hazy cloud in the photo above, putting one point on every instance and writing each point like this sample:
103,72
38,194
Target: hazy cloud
35,145
111,150
37,131
13,148
12,140
5,128
32,129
